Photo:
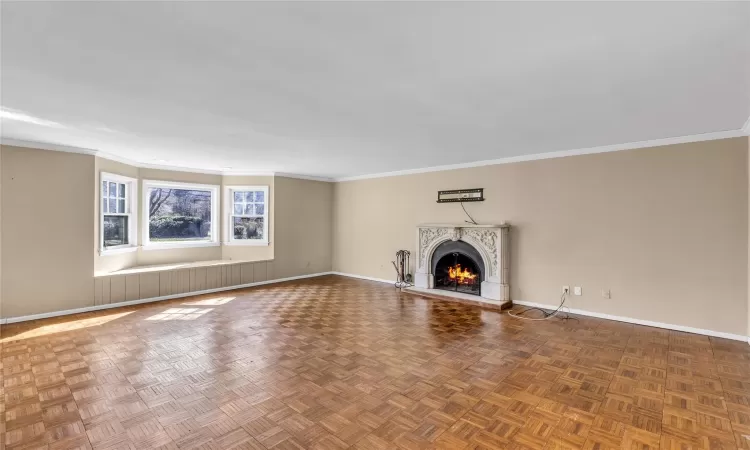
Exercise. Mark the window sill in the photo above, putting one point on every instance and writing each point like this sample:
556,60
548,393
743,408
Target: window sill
179,245
177,266
248,243
117,251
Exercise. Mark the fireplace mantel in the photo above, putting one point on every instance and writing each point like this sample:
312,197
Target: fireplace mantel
491,241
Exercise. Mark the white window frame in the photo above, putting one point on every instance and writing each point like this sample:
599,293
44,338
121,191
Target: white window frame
229,215
131,203
215,206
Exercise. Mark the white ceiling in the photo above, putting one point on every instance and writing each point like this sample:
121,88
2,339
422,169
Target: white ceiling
341,89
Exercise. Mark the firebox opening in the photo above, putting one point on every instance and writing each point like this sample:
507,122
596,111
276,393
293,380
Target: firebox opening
458,272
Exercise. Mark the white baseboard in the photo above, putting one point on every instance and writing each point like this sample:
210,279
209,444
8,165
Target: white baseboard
362,277
648,323
66,312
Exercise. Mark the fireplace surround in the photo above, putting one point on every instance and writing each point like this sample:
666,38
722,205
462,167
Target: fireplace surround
487,246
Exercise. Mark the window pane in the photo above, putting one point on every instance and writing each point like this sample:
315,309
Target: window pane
249,196
239,196
112,205
104,189
238,208
179,215
249,209
259,196
248,228
104,205
115,230
122,190
259,208
121,206
113,190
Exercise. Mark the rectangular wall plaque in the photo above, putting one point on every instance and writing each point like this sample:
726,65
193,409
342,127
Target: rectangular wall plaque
461,195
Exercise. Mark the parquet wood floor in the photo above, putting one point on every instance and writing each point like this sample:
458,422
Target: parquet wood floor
336,363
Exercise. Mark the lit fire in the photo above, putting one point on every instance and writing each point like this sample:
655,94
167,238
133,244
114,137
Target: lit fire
461,276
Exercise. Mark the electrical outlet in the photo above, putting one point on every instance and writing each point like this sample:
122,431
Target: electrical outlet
566,289
577,290
606,293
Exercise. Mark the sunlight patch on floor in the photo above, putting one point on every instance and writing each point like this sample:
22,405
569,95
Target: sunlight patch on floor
180,314
210,301
66,326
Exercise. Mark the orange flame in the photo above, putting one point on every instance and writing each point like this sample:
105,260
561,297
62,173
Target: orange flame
462,276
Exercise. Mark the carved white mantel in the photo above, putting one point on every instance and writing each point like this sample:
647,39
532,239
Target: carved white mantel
491,241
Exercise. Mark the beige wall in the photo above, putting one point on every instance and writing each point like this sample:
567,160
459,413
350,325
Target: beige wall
304,239
47,211
665,229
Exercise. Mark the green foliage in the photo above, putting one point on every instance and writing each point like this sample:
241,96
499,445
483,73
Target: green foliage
176,226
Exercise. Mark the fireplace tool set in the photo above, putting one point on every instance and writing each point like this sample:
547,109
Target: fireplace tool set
401,264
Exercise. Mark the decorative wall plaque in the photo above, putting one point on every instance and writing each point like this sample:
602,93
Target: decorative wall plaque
461,195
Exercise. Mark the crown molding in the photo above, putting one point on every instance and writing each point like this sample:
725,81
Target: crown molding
141,165
744,131
66,149
46,146
242,173
176,168
304,177
558,154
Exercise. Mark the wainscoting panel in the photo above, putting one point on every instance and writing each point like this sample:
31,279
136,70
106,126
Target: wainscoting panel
174,282
165,283
270,270
151,282
184,281
149,285
132,287
260,272
106,291
226,276
98,283
198,279
117,289
247,273
213,274
236,275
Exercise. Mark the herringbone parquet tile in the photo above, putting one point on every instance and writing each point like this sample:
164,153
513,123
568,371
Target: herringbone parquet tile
335,363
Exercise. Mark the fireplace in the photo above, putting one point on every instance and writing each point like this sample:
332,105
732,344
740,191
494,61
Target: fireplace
464,261
458,267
